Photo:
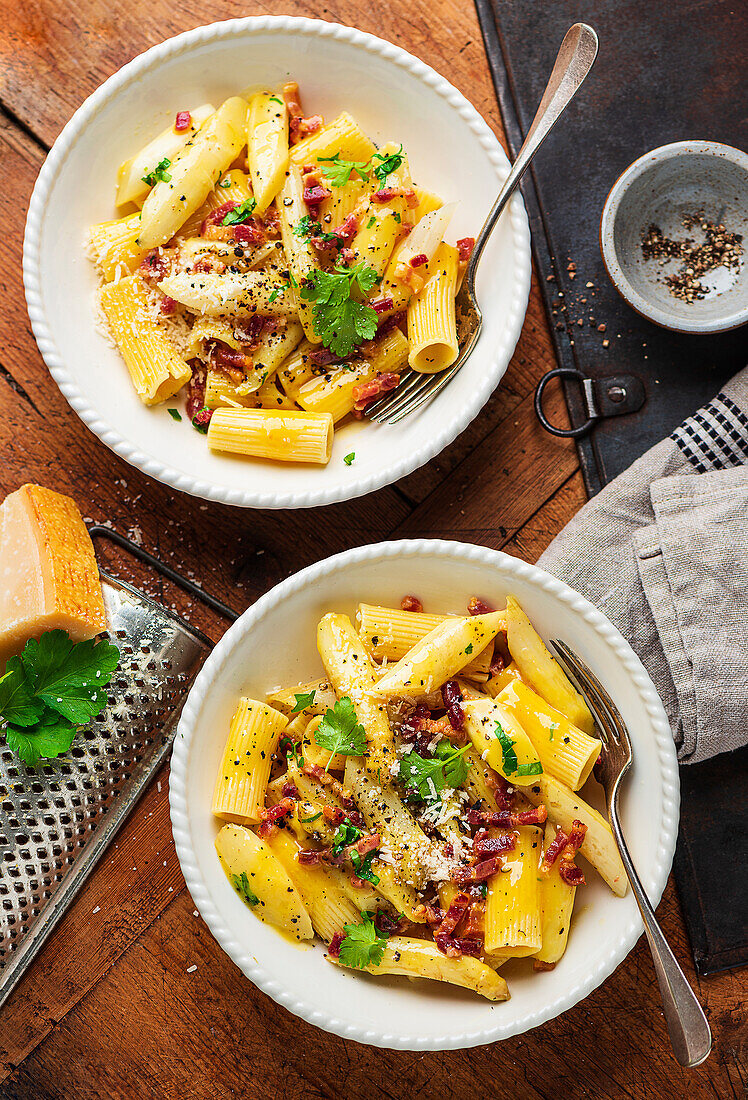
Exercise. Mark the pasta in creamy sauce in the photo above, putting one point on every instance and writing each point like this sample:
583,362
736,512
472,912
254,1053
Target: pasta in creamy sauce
416,807
280,271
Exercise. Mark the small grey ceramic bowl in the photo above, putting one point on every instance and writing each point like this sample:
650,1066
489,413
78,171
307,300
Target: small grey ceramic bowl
661,188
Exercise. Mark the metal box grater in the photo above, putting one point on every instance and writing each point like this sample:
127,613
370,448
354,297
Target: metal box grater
57,819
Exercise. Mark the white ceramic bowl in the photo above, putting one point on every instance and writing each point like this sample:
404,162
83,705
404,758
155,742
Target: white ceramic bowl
394,96
274,643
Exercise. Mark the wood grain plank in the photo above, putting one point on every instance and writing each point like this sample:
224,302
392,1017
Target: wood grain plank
612,1046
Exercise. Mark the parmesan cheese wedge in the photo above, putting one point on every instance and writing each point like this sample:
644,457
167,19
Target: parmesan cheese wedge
49,579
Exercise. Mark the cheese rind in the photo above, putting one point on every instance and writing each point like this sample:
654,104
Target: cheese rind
49,579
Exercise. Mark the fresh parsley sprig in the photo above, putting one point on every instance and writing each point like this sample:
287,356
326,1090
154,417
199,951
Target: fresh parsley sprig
242,887
159,173
340,730
345,834
384,164
342,319
53,688
509,755
363,945
428,776
240,213
362,867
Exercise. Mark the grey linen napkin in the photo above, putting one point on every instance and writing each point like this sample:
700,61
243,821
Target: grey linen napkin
663,551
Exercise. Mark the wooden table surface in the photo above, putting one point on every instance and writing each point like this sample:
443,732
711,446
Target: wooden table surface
114,1007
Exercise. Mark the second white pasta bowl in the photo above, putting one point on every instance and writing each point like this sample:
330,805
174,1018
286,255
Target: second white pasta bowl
394,96
273,644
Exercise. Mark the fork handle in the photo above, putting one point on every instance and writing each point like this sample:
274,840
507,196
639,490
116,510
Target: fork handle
687,1025
575,58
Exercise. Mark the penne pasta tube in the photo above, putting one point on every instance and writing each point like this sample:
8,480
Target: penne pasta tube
267,147
477,782
193,173
156,370
284,436
276,900
273,348
233,186
563,749
353,198
320,888
296,370
389,633
541,671
444,652
343,136
386,813
115,247
432,329
428,201
598,846
271,396
352,674
333,392
239,793
300,254
414,958
500,740
557,903
496,683
514,920
402,280
238,294
221,392
131,182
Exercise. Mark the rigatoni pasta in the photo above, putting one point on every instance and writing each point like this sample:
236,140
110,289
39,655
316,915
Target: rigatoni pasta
291,264
418,830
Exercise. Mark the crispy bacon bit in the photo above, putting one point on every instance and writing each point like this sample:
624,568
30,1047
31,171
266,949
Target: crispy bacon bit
477,606
564,848
202,418
386,324
216,216
322,357
433,914
230,361
410,727
498,662
474,924
365,394
205,266
385,195
485,845
507,819
253,327
452,699
366,844
334,815
387,924
501,792
444,935
347,229
308,857
290,790
167,306
347,256
419,260
553,851
465,247
538,965
270,817
246,232
316,195
155,266
411,603
335,942
381,305
196,390
411,198
182,122
478,872
338,790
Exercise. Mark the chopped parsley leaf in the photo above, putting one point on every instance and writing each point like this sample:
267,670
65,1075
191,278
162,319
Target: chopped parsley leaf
345,834
159,173
242,887
174,414
240,213
507,749
362,867
384,164
338,171
469,648
428,776
303,701
276,99
349,458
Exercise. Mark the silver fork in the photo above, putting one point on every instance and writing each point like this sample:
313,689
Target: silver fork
575,58
686,1023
